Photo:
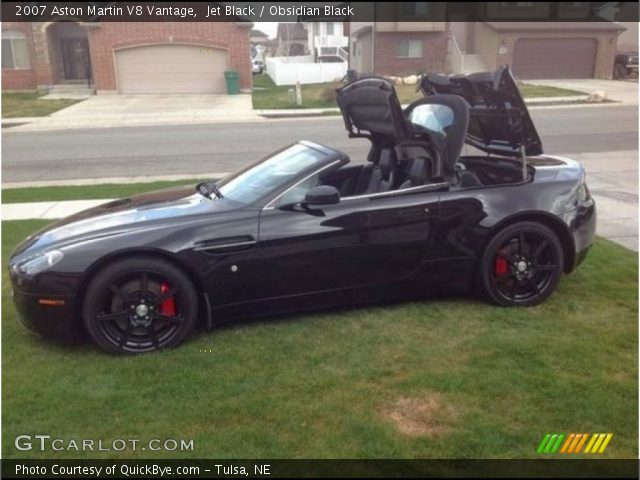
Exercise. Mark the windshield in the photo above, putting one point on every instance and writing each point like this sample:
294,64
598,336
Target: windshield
270,174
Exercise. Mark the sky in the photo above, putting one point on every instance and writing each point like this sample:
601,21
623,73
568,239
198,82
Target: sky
270,28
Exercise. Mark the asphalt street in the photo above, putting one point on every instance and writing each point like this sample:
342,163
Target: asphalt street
197,149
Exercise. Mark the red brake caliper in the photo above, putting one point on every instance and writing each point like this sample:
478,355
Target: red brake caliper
502,266
168,307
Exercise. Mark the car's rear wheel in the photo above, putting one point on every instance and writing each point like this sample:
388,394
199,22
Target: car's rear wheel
522,265
139,305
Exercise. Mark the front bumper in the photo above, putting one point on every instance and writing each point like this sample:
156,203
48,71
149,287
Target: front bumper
584,230
53,317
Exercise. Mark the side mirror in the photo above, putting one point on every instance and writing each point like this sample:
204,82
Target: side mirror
322,195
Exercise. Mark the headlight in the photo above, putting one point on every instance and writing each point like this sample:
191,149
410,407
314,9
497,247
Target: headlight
39,263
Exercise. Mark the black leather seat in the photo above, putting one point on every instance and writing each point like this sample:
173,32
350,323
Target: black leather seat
419,173
384,173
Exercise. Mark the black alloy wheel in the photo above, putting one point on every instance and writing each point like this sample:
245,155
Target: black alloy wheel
522,265
140,305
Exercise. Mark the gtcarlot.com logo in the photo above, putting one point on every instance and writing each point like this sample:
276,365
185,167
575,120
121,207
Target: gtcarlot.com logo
574,443
46,442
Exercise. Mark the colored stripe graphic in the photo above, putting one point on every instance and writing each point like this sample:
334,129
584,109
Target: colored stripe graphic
543,443
606,442
556,446
567,443
550,443
556,443
598,442
584,439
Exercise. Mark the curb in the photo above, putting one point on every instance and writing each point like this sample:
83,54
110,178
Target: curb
321,112
286,113
111,180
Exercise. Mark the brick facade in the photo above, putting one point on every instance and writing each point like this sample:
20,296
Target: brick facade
110,36
106,37
20,79
387,62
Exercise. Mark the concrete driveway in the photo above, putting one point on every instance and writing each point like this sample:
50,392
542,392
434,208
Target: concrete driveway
107,111
618,90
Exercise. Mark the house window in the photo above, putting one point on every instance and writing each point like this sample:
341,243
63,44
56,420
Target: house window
516,4
15,51
415,9
409,49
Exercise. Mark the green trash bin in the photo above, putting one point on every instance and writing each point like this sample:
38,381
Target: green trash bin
233,82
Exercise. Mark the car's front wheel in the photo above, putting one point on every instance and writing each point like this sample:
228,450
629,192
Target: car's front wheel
522,265
138,305
619,71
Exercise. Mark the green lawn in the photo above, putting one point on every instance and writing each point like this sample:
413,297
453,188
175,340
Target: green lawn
439,379
537,91
266,95
84,192
28,104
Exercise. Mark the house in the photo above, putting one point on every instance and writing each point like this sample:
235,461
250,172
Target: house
259,44
125,57
258,37
619,12
310,52
328,41
628,40
449,37
292,40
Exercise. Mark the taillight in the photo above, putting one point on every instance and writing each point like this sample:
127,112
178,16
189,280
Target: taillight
583,192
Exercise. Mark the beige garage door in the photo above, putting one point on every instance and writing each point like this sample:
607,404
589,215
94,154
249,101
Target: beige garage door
554,58
171,69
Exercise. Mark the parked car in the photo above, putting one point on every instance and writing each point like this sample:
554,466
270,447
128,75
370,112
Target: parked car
257,66
303,229
625,65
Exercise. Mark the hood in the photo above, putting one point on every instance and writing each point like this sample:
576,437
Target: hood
499,121
120,216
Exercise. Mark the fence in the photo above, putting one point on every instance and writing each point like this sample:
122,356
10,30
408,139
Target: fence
289,70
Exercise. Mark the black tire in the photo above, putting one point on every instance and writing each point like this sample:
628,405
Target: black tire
620,72
139,305
522,265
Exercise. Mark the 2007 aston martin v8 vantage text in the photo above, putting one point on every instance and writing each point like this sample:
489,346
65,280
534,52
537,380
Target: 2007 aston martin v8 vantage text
302,228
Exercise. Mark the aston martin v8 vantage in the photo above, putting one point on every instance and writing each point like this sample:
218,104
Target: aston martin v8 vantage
455,194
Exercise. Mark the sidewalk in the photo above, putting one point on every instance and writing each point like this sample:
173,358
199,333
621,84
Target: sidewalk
9,122
47,210
617,90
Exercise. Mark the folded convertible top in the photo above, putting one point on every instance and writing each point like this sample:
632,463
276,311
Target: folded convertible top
499,122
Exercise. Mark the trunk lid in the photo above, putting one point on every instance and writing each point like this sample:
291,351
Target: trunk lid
499,120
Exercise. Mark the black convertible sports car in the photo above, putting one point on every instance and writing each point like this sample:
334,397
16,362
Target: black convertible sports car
303,229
